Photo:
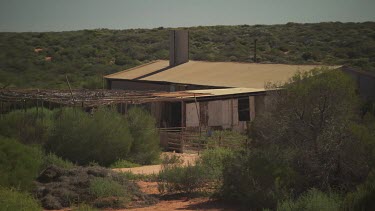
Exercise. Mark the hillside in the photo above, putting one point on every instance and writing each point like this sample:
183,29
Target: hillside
43,59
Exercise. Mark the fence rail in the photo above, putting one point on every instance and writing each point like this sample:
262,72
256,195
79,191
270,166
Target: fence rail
182,140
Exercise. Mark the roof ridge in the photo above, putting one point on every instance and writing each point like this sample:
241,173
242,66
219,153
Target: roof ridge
133,68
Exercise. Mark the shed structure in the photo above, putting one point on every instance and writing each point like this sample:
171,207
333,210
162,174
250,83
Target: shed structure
228,95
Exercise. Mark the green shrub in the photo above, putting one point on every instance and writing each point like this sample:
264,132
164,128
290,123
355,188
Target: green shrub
213,161
144,177
226,139
103,137
102,187
173,159
146,145
30,127
109,193
19,164
182,179
364,197
52,159
257,178
312,200
10,200
124,164
84,207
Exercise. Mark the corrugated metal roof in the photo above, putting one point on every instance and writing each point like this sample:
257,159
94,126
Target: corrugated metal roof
207,93
221,92
140,70
226,74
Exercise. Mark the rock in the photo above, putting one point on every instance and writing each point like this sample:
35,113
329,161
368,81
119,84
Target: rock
50,174
57,188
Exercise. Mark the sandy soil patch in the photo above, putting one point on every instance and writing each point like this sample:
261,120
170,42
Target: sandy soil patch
178,203
154,169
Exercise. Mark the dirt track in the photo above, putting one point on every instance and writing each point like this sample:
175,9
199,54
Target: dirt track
154,169
172,202
179,203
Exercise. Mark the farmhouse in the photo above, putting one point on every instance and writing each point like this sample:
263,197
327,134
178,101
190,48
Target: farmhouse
207,95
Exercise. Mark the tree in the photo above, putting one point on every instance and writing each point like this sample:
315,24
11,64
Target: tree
312,116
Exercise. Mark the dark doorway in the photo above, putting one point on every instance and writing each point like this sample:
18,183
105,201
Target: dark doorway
243,109
175,114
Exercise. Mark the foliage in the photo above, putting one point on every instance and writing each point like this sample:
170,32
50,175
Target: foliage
204,175
145,148
312,116
171,159
84,207
52,159
182,179
258,178
11,199
213,161
312,200
364,196
102,187
226,139
143,177
91,53
19,164
81,138
123,164
30,127
365,132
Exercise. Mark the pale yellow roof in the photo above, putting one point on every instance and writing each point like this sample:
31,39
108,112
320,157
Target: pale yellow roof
140,70
207,92
225,74
227,91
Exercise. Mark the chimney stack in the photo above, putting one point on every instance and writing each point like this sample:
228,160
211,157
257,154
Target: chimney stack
179,47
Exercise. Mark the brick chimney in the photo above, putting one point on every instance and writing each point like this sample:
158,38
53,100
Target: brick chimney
179,47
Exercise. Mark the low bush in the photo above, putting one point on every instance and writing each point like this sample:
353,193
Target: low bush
84,207
103,137
213,161
364,197
123,164
19,164
102,187
10,200
146,145
52,159
205,175
182,179
144,177
311,201
172,159
30,127
226,139
257,178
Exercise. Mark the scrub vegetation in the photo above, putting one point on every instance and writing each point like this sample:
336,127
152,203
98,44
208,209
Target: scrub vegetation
42,59
41,153
312,149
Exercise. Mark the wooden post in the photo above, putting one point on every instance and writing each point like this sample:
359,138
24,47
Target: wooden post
126,109
1,109
24,105
37,108
182,114
42,111
198,114
70,88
